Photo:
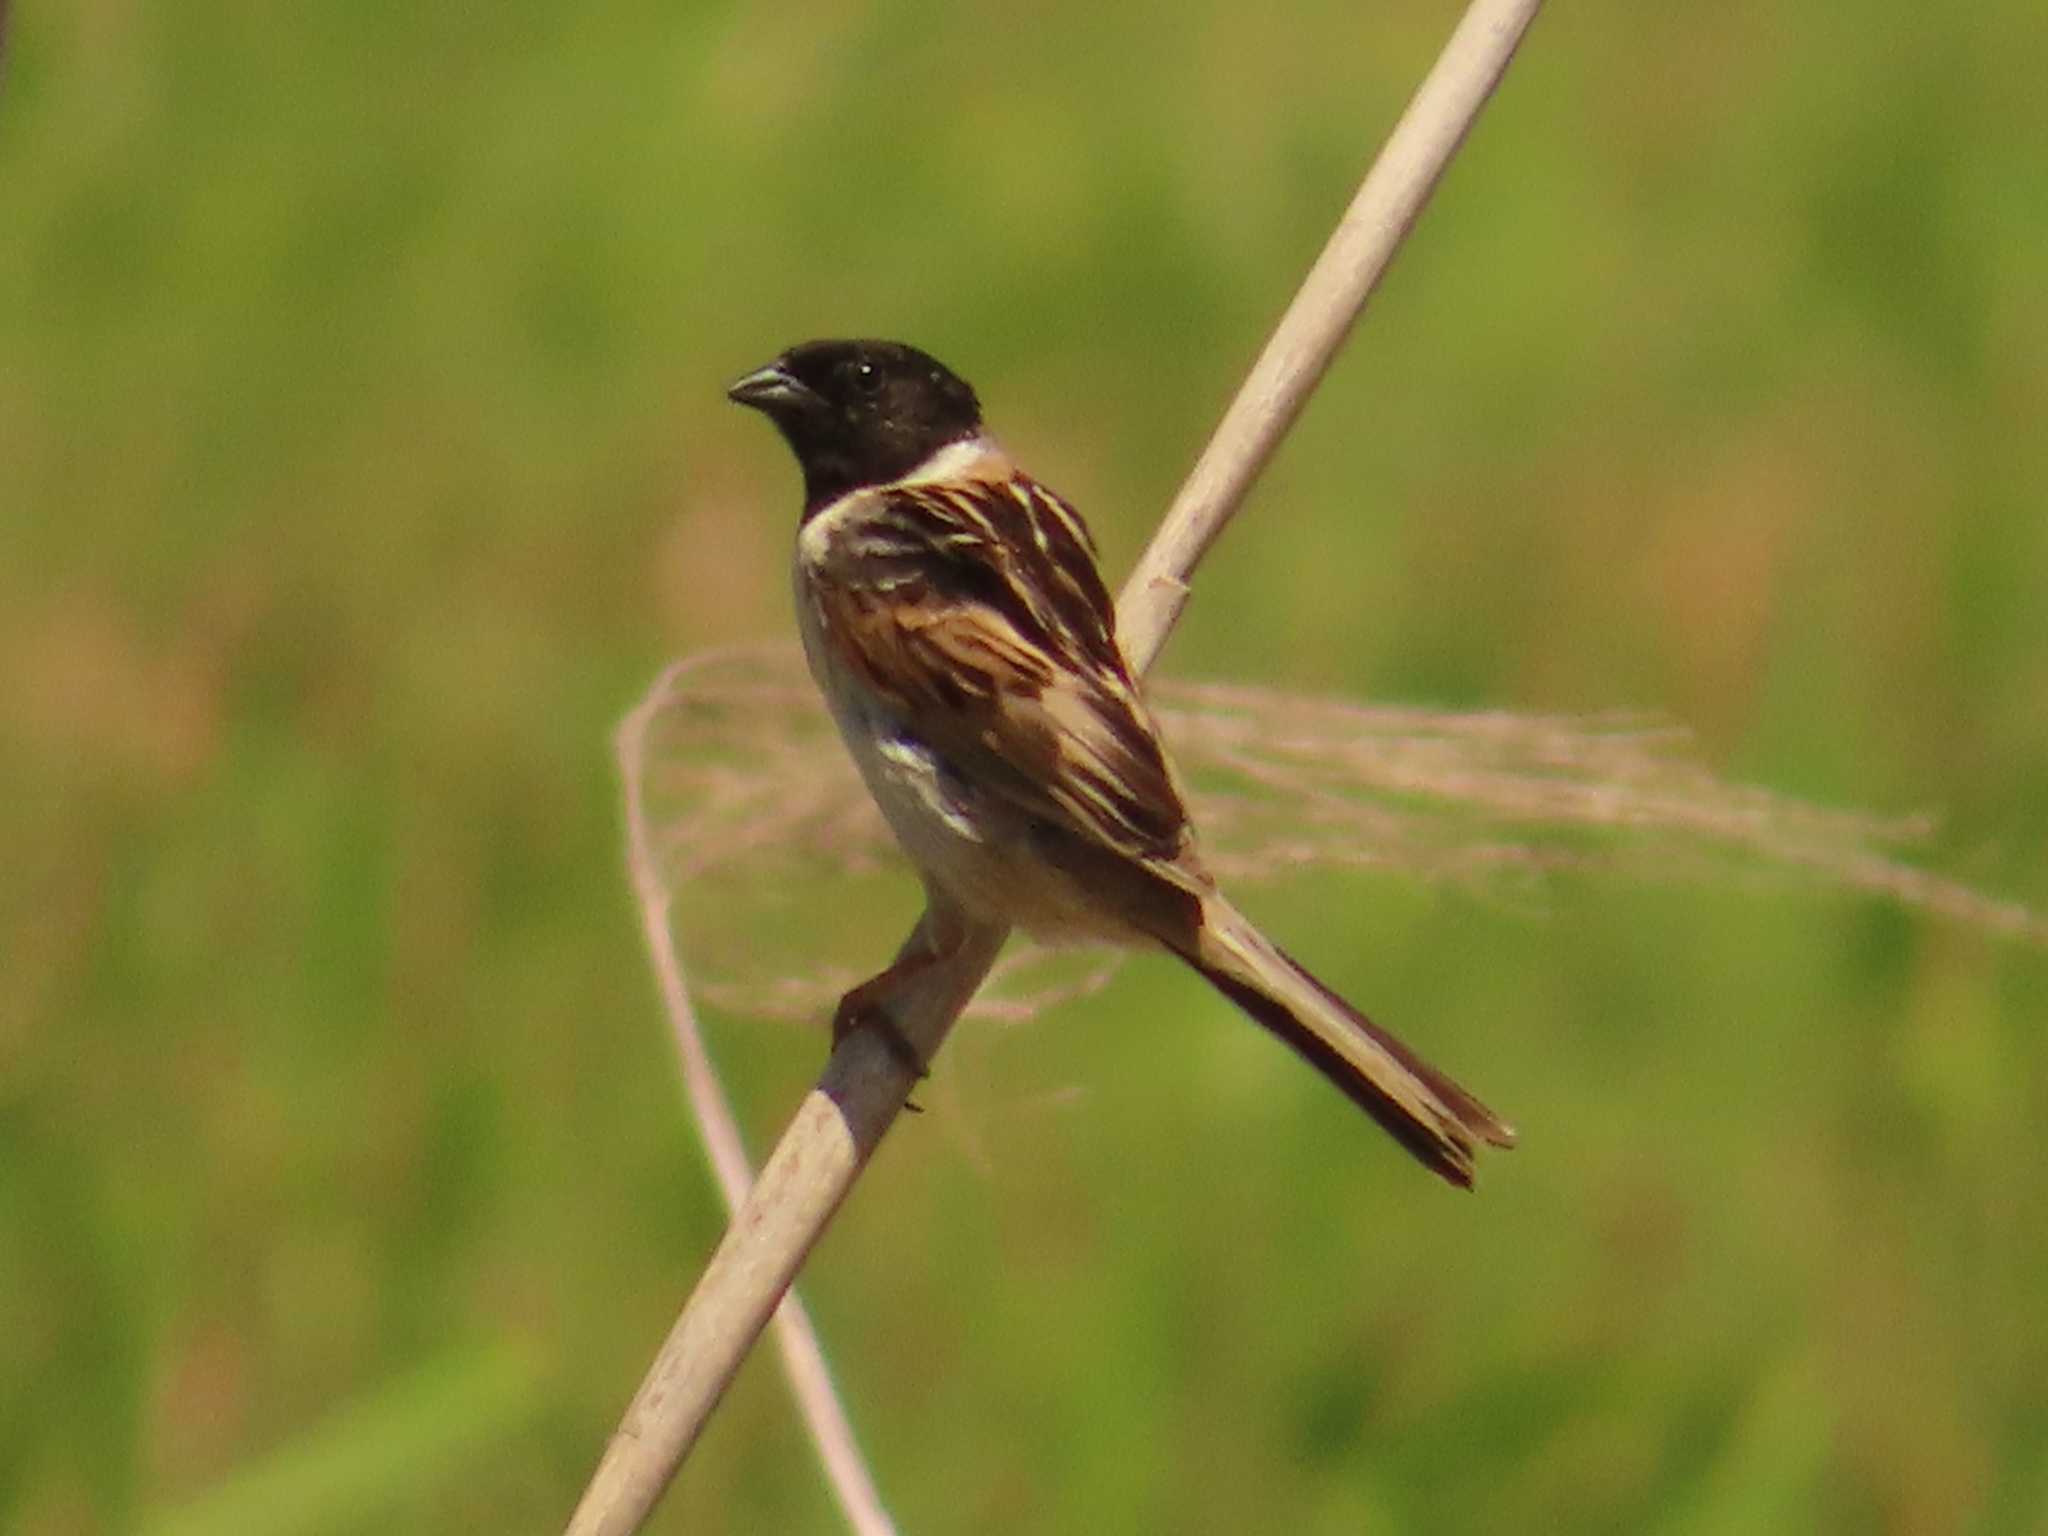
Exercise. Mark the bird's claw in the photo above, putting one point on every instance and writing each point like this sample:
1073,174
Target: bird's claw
856,1013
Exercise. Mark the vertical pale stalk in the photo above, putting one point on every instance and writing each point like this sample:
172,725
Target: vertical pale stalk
840,1122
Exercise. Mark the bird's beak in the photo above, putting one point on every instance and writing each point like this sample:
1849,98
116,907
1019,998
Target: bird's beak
772,389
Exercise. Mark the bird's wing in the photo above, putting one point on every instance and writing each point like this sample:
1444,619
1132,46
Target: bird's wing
974,609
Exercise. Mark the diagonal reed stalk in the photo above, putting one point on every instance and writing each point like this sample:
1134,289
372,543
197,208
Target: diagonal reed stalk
841,1121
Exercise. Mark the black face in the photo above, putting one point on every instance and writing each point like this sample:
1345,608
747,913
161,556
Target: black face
860,412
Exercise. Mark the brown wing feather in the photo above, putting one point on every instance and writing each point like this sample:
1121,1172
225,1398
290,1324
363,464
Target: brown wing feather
976,610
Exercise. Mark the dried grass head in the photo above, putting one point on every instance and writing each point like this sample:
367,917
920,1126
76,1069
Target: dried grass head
746,802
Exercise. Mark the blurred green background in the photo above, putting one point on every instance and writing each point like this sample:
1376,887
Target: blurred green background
362,456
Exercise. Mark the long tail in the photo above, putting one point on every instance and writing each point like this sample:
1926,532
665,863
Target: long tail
1417,1105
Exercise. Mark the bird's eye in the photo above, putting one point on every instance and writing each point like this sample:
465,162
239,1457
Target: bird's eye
867,379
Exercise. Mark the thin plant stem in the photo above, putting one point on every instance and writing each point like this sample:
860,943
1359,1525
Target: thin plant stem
803,1359
841,1121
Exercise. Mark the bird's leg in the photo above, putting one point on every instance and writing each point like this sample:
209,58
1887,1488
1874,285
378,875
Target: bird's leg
866,1007
938,935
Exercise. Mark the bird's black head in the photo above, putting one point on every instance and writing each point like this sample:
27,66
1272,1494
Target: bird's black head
860,413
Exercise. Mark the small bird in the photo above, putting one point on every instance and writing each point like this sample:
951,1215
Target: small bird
954,618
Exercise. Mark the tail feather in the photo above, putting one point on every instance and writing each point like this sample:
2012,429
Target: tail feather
1436,1120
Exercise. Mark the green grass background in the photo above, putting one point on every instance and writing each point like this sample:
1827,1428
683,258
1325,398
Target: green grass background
362,456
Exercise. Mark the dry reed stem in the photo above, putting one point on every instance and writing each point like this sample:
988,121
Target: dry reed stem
841,1121
803,1359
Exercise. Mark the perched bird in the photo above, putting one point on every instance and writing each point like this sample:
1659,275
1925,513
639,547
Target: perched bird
953,616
